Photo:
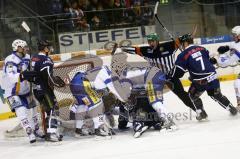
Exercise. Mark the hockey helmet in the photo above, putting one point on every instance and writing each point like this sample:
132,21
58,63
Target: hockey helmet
185,38
236,30
42,44
18,42
153,37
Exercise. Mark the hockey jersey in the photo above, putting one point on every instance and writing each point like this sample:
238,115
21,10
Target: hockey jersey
13,66
195,59
232,58
84,86
149,79
43,65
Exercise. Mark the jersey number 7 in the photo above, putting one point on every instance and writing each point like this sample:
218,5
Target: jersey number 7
201,61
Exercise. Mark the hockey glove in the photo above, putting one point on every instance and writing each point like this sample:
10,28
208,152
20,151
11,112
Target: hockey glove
213,60
28,75
58,82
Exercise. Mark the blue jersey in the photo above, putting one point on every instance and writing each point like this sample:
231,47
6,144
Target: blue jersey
195,59
43,65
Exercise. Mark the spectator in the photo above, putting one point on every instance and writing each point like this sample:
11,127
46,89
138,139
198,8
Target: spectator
56,7
80,21
146,14
118,12
95,23
128,3
68,24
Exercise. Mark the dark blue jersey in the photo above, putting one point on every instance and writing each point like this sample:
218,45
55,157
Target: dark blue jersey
43,65
195,59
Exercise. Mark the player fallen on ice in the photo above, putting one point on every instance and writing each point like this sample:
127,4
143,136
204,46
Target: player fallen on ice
203,76
42,77
227,58
152,81
17,90
87,88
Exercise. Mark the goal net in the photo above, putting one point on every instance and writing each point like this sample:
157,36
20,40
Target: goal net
66,71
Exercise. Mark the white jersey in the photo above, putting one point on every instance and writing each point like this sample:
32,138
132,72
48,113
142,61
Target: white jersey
232,58
136,75
13,65
101,78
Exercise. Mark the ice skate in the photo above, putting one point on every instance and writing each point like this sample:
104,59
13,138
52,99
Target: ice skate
232,110
201,115
32,138
139,129
79,133
102,131
168,125
53,137
39,133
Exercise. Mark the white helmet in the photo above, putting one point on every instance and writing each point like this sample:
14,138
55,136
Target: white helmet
16,43
236,30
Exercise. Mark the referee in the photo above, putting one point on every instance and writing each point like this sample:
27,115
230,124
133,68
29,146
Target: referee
162,55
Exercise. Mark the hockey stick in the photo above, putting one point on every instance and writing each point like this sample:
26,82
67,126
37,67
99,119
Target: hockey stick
159,21
169,34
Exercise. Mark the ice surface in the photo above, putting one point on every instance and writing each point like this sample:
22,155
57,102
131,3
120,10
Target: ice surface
218,138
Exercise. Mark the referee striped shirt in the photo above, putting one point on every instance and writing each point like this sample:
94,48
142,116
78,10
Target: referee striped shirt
162,57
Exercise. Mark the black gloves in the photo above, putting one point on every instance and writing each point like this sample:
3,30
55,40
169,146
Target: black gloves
28,75
213,60
58,82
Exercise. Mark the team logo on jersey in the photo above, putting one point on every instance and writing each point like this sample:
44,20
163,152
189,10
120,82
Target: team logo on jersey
223,59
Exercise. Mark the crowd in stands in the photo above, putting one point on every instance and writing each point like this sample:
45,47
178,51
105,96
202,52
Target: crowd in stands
88,15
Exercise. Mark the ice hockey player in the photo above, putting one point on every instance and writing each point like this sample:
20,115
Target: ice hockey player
162,55
42,77
86,87
203,76
225,59
152,80
17,90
